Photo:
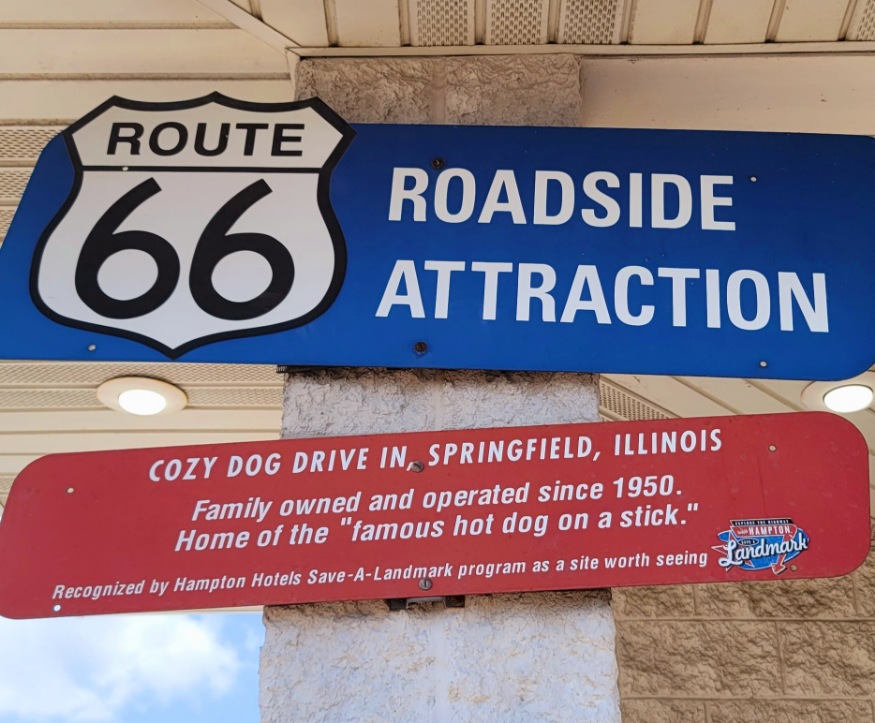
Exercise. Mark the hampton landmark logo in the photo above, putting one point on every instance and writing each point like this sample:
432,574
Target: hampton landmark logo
760,544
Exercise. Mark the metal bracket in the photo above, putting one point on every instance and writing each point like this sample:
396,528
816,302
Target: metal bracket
405,603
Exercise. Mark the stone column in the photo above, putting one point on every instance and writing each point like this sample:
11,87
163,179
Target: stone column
525,657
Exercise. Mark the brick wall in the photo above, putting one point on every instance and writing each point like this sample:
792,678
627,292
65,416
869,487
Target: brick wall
748,653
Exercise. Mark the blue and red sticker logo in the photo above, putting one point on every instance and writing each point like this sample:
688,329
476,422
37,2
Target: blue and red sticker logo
761,544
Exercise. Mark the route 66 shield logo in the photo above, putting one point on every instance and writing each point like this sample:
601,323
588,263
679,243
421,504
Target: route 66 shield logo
197,221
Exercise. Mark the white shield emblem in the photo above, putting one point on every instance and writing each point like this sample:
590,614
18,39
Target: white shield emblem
193,222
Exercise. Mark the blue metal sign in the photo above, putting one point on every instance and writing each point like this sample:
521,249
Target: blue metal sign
217,230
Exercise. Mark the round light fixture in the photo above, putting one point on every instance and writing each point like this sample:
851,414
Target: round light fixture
849,398
845,397
142,396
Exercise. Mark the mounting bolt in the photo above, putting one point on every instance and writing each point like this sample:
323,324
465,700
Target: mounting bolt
764,364
415,467
420,347
425,584
438,163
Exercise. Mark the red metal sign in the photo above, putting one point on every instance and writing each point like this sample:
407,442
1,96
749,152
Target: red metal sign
436,513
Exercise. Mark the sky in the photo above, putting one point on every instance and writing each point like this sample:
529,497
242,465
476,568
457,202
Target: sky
176,668
173,668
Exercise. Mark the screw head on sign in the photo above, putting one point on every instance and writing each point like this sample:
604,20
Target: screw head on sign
420,347
425,584
438,163
415,467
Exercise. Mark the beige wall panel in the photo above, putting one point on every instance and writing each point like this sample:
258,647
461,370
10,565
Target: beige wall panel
23,100
663,22
806,20
374,23
98,13
834,94
137,52
738,21
301,20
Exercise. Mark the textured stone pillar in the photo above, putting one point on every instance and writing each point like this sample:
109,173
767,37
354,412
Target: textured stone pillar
526,657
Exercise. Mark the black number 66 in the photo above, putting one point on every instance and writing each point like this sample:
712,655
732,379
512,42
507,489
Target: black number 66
214,244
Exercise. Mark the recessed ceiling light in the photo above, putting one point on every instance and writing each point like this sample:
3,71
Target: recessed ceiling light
849,398
845,397
142,396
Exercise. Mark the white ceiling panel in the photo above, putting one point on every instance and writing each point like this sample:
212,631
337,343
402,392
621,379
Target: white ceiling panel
862,25
436,23
800,93
810,20
590,22
12,183
865,422
88,441
786,391
5,219
301,20
517,22
265,421
738,394
12,464
28,100
104,13
84,52
670,394
663,22
22,144
692,397
51,407
738,21
375,23
90,374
